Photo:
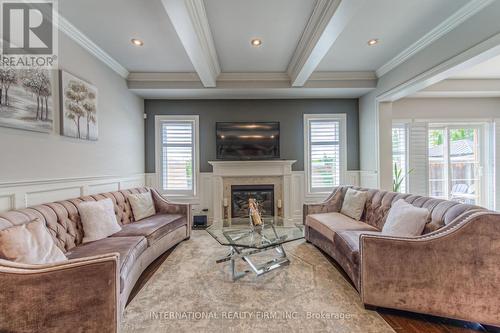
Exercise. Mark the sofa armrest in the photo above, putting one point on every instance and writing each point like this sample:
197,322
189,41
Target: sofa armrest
79,295
454,273
164,206
332,204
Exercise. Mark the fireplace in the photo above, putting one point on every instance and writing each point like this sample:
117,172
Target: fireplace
264,194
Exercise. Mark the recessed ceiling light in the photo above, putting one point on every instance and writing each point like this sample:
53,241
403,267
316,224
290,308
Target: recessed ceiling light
256,42
137,42
372,42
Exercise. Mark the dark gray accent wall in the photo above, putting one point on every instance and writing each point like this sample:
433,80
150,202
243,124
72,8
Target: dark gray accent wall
290,114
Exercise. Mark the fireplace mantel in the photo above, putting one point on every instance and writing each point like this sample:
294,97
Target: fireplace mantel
252,168
249,169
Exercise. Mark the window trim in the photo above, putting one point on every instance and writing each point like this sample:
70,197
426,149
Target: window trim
194,119
342,118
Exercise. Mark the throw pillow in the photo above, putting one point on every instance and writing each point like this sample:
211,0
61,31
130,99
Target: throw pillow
405,220
98,219
142,205
354,203
29,243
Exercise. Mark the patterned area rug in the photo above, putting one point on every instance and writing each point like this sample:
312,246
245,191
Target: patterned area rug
191,293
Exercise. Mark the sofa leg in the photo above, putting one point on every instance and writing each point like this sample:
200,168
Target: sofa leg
370,307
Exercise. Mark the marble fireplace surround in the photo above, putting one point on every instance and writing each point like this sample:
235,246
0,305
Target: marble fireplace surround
272,172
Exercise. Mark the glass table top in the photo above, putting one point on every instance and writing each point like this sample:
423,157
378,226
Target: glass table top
239,232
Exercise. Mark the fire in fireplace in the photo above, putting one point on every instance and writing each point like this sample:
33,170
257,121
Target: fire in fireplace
264,194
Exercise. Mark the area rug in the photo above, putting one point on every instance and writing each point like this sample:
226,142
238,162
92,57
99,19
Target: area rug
191,293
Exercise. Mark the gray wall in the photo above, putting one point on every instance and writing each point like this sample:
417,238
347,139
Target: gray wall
288,112
119,151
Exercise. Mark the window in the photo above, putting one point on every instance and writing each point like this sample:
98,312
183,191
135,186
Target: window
399,157
177,154
456,163
324,137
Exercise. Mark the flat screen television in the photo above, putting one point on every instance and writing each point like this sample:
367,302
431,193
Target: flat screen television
238,141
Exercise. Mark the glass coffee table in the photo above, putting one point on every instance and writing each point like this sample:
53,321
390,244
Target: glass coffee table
245,242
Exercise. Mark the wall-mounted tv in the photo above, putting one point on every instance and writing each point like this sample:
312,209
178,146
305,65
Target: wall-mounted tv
248,140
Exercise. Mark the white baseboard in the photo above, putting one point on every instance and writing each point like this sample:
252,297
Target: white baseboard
22,194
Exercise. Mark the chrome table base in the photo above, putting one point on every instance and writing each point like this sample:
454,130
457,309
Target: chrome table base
245,254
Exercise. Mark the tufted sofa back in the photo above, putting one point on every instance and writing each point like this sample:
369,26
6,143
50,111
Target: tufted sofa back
63,220
442,212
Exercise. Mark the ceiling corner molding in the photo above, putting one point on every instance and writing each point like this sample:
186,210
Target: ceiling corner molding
342,76
328,19
190,21
163,80
460,16
254,76
80,38
163,76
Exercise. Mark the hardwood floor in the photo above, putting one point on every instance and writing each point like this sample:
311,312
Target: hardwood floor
400,321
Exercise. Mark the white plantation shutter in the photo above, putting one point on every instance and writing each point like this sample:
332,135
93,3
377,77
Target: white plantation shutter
177,160
418,179
324,151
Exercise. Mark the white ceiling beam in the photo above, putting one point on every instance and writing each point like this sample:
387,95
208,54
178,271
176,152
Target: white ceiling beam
462,88
190,21
328,20
460,16
251,81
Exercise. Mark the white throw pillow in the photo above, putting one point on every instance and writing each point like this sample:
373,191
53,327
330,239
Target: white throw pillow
98,219
405,220
142,205
29,243
354,203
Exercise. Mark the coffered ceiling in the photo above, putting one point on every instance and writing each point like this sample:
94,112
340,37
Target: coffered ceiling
310,48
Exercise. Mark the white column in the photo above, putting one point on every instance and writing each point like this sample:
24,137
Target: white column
385,145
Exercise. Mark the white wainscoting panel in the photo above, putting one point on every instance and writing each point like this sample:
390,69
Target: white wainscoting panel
368,179
51,195
6,202
352,177
22,194
297,191
101,188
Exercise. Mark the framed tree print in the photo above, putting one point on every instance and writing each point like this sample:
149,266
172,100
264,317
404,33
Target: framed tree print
78,108
26,99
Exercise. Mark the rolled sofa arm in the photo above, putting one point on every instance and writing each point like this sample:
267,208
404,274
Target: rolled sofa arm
164,206
332,204
78,295
453,273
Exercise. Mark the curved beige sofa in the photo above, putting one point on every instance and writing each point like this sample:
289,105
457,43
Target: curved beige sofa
88,292
452,270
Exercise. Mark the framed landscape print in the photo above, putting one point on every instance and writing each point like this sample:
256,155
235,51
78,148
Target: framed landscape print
78,108
26,99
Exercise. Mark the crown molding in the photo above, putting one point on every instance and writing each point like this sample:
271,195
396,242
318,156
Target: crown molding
80,38
327,21
442,29
190,21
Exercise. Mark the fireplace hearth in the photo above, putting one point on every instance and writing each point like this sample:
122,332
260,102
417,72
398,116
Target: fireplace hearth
264,194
